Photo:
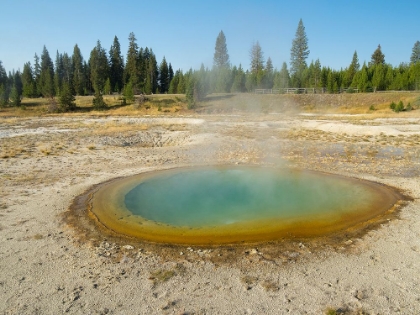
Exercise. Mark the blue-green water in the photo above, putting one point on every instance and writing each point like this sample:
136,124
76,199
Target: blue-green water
221,196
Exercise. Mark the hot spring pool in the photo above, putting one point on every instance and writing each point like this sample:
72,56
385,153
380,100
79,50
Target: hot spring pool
219,205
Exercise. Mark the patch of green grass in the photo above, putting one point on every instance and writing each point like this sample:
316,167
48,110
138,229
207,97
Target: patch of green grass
161,275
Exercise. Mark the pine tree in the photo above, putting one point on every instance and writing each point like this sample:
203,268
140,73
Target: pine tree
282,78
363,83
67,72
163,76
99,71
17,82
37,75
378,79
58,73
415,54
269,74
257,58
152,72
47,74
28,81
4,86
299,52
173,86
238,84
221,56
377,57
79,76
170,73
131,71
128,92
352,70
107,87
116,66
66,98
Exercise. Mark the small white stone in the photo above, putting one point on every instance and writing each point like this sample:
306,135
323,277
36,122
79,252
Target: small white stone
128,247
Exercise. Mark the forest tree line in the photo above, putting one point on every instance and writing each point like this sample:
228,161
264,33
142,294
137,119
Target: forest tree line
107,72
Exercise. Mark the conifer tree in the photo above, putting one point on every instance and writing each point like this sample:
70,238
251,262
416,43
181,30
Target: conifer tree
37,75
173,86
107,87
67,71
47,74
66,98
352,70
152,72
415,54
128,92
221,56
79,76
163,76
131,71
377,57
238,84
116,66
17,82
4,86
181,83
99,71
170,73
28,81
14,97
299,53
257,58
282,78
269,74
58,73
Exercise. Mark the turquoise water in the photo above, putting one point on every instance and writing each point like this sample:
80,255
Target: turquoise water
221,196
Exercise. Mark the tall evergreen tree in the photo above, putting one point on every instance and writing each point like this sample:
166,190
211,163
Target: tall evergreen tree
79,75
37,75
269,74
257,58
116,66
99,71
239,79
282,78
257,67
377,57
28,82
67,73
415,54
131,71
352,70
170,74
152,72
173,85
66,98
221,56
58,73
163,76
4,86
47,74
299,52
17,82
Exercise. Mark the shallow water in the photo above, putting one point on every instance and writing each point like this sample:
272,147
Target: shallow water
236,204
211,197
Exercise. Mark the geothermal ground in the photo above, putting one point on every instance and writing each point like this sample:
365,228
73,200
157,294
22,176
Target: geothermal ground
54,260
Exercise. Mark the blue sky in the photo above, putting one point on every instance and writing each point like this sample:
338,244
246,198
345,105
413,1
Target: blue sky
185,31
